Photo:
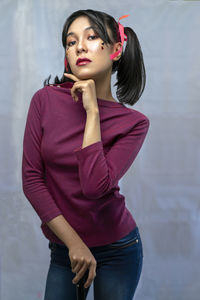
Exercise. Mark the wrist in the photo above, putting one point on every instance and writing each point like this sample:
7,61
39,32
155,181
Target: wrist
77,243
93,111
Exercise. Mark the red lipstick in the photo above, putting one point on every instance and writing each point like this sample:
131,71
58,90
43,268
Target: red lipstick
82,61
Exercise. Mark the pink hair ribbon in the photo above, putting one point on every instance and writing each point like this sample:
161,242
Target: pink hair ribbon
122,35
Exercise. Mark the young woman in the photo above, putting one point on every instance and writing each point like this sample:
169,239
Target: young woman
78,143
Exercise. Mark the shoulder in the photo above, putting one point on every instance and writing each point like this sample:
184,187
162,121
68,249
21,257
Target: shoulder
40,94
38,98
138,116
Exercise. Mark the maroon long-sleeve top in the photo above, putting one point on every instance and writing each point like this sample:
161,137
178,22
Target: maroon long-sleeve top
61,177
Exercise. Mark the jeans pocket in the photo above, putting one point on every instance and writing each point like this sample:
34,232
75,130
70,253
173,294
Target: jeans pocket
124,242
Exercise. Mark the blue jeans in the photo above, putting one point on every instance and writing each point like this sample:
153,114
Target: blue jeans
118,270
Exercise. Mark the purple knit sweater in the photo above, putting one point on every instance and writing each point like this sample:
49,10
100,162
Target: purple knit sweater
59,177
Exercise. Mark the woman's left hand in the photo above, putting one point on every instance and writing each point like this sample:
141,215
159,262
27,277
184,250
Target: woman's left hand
88,90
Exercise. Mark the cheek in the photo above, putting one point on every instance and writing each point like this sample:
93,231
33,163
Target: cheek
96,47
69,55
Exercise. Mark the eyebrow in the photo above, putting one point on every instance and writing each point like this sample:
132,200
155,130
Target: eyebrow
73,33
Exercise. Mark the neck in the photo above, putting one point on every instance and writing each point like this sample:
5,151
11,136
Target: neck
103,87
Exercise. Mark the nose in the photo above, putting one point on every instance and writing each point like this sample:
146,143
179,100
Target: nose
80,46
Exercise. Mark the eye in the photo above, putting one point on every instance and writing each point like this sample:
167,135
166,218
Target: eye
69,43
92,36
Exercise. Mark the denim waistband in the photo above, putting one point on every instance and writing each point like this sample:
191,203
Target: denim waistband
133,233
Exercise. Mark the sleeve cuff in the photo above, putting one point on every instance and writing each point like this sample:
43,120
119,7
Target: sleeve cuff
79,152
51,216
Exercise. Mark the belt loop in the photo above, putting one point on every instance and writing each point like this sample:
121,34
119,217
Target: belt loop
52,245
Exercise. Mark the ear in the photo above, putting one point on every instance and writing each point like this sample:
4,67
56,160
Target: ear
116,47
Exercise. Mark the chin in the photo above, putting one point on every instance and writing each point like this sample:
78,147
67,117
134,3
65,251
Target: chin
85,76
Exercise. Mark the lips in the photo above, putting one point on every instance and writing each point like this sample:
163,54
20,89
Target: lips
79,60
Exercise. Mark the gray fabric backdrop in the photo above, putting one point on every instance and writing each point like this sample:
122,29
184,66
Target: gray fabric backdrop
162,186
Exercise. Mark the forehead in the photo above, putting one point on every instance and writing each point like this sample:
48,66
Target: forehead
79,24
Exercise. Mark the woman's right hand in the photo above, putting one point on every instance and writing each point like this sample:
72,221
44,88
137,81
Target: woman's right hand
82,259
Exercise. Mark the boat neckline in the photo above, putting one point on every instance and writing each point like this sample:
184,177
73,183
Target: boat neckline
104,102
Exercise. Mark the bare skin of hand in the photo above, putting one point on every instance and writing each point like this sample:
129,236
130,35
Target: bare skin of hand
88,90
82,259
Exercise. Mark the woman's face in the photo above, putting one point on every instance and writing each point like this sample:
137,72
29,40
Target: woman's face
86,43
